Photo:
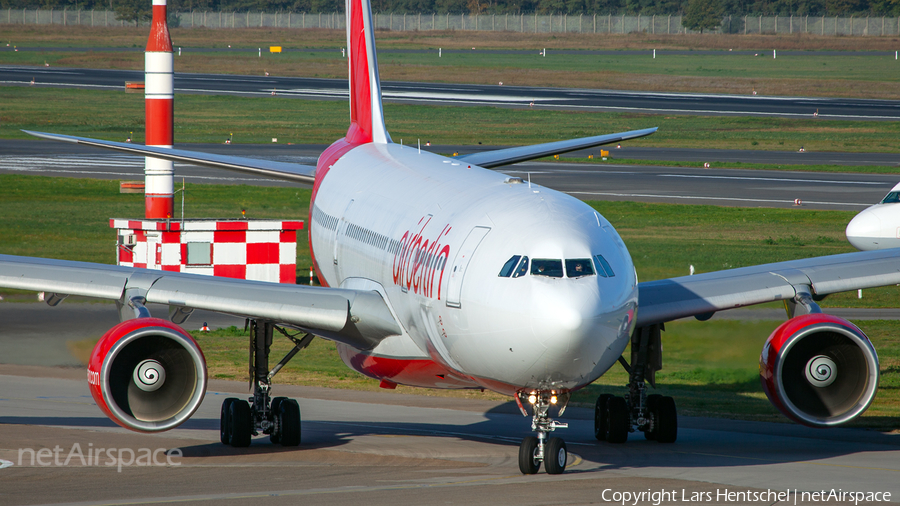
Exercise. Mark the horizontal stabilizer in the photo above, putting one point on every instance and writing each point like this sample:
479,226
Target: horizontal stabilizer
499,157
277,170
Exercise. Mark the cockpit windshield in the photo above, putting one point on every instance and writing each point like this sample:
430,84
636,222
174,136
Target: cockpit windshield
891,198
547,267
518,266
575,268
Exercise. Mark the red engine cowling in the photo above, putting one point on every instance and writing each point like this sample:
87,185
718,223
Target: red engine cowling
819,370
147,374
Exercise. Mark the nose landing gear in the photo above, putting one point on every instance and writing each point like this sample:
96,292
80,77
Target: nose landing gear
536,450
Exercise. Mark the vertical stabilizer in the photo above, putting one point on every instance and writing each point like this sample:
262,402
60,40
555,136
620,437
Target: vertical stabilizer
366,113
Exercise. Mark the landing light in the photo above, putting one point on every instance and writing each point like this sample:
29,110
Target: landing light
532,399
553,399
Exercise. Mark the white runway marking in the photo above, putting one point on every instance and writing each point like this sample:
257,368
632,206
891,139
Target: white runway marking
716,199
776,179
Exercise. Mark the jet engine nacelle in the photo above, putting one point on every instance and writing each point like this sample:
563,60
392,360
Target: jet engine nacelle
147,374
819,370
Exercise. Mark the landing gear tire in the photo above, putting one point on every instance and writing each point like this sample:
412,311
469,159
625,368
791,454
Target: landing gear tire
275,436
667,416
225,421
555,456
529,463
618,420
241,423
290,422
600,417
652,402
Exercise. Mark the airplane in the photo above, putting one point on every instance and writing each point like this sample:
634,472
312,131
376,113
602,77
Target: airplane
878,226
439,272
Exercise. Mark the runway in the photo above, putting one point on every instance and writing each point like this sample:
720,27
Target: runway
388,448
468,94
608,181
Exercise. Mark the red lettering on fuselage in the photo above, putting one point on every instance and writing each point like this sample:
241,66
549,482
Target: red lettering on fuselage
417,260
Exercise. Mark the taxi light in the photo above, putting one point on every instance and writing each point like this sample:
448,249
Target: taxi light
553,399
532,399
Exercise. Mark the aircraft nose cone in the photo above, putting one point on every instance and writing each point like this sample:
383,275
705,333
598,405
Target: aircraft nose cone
863,230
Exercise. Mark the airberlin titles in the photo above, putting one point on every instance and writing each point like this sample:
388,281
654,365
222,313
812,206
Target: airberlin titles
418,259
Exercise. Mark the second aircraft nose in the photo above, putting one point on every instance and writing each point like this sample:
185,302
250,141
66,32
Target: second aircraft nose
864,230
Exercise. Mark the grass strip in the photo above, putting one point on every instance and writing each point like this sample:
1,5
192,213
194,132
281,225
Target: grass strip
811,73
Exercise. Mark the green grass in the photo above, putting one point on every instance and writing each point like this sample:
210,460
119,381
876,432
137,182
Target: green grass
664,240
112,115
69,218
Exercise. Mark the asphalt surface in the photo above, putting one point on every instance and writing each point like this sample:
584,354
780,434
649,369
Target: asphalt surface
608,181
466,94
388,448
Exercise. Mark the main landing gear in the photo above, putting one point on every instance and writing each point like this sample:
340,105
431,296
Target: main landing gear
536,450
279,417
654,415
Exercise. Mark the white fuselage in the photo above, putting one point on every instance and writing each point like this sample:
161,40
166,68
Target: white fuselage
432,235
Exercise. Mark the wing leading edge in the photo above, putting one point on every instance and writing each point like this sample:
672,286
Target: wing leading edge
279,170
500,157
355,317
703,294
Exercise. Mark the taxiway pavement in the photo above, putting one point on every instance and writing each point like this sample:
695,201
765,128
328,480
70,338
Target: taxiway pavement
472,94
389,448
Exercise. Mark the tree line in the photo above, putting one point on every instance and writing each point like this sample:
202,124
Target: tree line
842,8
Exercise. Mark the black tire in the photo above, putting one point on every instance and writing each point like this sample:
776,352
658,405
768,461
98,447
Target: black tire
618,422
240,424
652,401
555,456
528,464
601,416
225,421
275,436
668,420
290,422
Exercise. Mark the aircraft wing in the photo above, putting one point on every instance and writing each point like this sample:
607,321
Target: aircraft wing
507,156
703,294
279,170
355,317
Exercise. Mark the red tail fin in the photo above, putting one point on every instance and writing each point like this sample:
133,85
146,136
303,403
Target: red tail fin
366,113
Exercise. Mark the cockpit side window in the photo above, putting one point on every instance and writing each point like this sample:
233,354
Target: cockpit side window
508,267
603,267
891,198
522,269
575,268
547,267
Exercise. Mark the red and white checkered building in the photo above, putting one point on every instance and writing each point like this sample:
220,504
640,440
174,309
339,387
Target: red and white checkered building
261,250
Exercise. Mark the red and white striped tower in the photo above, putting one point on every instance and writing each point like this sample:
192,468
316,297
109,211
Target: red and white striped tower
159,89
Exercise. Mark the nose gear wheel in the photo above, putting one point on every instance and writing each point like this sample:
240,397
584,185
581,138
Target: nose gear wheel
537,450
